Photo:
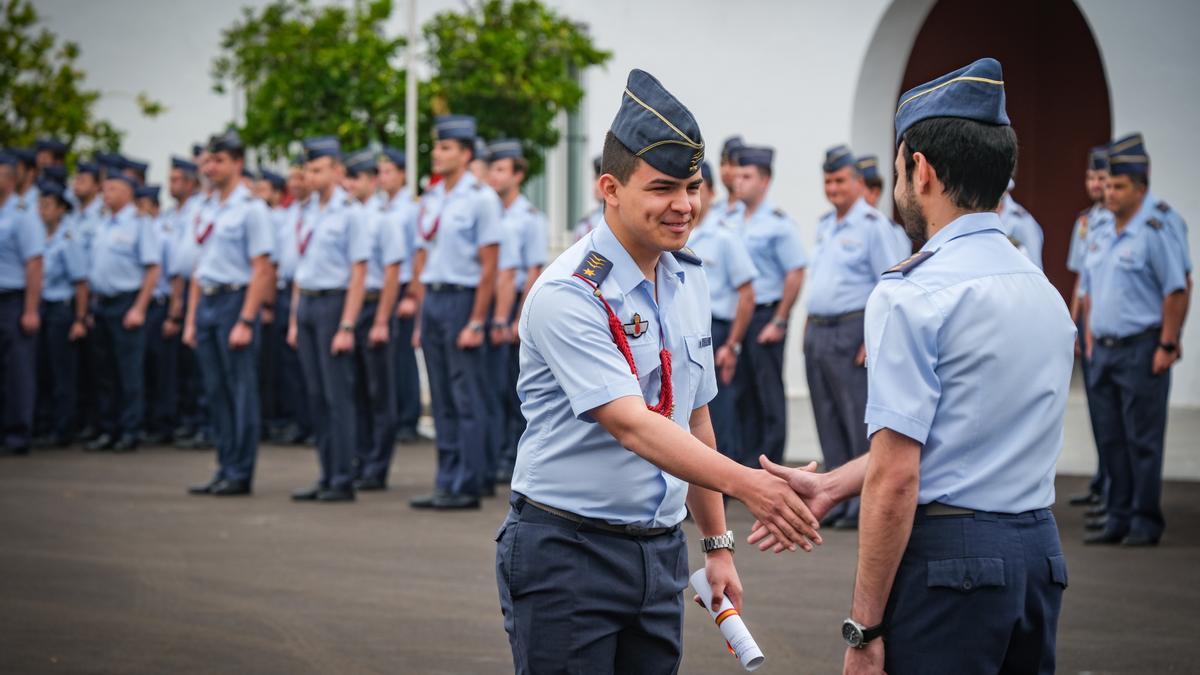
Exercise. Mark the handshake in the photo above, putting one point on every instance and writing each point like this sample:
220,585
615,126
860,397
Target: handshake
788,505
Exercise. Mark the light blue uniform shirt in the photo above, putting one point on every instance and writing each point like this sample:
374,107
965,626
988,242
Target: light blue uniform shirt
242,230
570,365
527,243
403,212
125,244
84,222
774,244
970,354
167,235
287,252
589,222
1177,226
849,257
730,213
727,263
1091,218
192,221
904,245
1022,229
22,238
466,220
1128,274
336,239
386,235
63,264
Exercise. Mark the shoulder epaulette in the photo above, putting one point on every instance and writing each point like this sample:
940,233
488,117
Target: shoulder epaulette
778,213
910,263
871,215
827,214
687,255
1084,212
533,209
1154,223
1163,207
731,210
594,268
67,234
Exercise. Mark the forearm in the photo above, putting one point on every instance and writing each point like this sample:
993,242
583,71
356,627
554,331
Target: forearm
354,294
149,280
416,290
33,285
193,300
791,290
387,297
81,300
485,291
295,303
1174,306
506,294
743,314
889,502
707,506
1076,305
175,308
261,283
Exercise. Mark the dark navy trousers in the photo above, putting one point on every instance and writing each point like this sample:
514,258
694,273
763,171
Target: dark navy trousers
58,370
290,392
408,378
1099,483
230,383
977,594
119,358
580,601
17,363
1129,418
723,408
512,421
838,391
191,400
459,389
762,401
375,393
162,371
329,381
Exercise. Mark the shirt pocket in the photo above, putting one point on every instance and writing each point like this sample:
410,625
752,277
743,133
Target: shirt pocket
700,362
966,575
1130,256
760,247
230,226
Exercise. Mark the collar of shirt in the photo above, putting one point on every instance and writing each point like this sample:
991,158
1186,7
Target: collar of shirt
626,275
970,223
340,199
392,203
765,211
518,204
127,213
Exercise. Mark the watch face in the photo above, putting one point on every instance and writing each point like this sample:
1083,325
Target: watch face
851,634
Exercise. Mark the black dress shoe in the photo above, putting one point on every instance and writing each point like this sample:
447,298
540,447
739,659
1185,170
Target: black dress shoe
407,436
99,443
345,494
156,437
127,443
1095,524
1138,540
488,490
1105,537
846,524
1088,499
86,434
456,503
204,489
307,494
426,502
1096,511
230,488
372,484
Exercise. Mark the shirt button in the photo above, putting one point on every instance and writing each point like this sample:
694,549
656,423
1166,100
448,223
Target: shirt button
967,584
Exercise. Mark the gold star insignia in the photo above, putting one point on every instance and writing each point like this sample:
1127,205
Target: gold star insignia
590,272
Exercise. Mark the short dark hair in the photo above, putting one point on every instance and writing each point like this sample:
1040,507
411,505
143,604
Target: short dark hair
468,145
764,170
1141,179
519,164
973,160
234,153
616,159
875,182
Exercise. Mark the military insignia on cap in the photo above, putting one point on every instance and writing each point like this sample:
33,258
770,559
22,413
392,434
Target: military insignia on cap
910,263
637,327
654,125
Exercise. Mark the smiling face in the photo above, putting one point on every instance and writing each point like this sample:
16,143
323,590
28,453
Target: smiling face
655,211
842,188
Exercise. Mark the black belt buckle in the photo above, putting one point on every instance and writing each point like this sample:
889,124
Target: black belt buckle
637,530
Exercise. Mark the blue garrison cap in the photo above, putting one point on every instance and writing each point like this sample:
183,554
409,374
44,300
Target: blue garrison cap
185,165
110,160
322,146
361,160
837,157
1128,155
706,173
197,149
657,127
147,192
135,165
974,92
868,167
460,127
277,181
480,149
53,188
55,174
729,146
229,141
7,158
25,155
124,178
394,156
87,167
51,145
1098,158
505,149
749,155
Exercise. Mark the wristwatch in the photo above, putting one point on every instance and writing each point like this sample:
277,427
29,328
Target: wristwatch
249,323
476,326
346,326
779,323
857,635
710,544
1168,347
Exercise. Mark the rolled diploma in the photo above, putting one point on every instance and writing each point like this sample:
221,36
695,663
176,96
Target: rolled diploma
737,636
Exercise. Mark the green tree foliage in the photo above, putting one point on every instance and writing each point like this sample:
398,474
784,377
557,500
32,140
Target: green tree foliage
42,90
309,71
512,65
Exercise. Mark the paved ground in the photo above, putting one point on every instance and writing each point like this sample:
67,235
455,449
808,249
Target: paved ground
106,566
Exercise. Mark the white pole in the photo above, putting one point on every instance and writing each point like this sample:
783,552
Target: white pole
410,101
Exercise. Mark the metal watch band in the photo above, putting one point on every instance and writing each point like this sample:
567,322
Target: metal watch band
709,544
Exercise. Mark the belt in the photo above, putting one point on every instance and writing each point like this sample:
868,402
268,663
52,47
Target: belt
115,298
221,289
940,510
767,305
160,301
321,292
283,285
585,524
441,288
834,319
1111,341
12,292
372,296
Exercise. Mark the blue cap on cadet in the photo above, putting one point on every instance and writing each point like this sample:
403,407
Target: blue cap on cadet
749,155
654,125
1098,158
460,127
394,156
868,167
197,149
115,174
110,160
55,174
185,165
147,192
322,146
53,188
729,146
24,155
361,161
480,150
837,157
87,167
277,181
505,149
51,145
1128,155
974,92
706,173
136,165
7,158
229,141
